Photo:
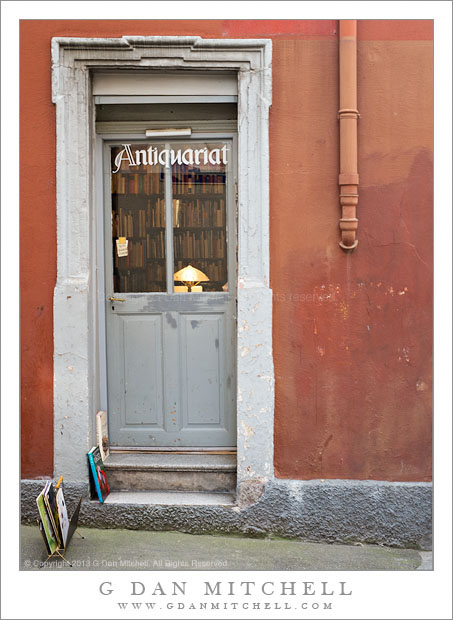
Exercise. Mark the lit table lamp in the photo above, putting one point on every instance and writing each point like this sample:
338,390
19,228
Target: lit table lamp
190,277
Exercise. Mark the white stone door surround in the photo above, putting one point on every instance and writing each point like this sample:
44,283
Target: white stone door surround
77,368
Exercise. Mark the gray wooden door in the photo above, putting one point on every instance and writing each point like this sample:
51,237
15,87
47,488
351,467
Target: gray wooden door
170,343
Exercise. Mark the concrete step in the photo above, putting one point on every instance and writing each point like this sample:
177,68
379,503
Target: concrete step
170,498
171,472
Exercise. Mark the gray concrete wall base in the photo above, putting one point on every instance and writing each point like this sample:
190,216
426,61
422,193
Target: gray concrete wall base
396,514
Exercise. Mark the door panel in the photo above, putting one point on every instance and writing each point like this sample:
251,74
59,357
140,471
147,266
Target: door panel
202,354
143,388
170,340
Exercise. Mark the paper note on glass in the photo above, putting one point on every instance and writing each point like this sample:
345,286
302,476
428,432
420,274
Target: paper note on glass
121,246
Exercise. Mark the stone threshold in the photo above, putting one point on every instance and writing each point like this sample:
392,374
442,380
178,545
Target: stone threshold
171,462
170,498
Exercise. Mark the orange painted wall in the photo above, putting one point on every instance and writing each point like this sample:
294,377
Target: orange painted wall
352,334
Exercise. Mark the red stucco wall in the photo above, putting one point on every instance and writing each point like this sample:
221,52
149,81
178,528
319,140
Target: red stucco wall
352,333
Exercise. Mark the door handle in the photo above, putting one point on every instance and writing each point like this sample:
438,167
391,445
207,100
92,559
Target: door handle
116,299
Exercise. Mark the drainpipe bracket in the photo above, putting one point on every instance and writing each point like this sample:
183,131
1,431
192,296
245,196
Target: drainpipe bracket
348,248
348,113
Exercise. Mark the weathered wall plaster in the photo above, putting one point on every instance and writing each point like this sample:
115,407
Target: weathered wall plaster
353,334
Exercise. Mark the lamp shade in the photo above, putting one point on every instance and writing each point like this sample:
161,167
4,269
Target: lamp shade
190,274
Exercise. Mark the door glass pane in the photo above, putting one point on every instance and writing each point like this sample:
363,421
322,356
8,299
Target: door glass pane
199,181
138,219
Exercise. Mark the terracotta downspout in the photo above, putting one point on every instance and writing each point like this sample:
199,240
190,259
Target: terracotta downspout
348,115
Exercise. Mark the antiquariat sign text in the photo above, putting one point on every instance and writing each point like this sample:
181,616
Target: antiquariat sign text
153,156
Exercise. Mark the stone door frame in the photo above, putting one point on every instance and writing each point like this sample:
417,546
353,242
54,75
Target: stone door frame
78,373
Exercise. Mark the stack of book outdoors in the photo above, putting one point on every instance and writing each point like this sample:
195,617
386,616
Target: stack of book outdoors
54,524
96,456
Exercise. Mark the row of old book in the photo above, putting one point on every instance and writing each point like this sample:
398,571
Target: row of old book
198,183
140,252
198,213
138,222
138,282
153,183
195,213
205,244
199,244
133,183
136,255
